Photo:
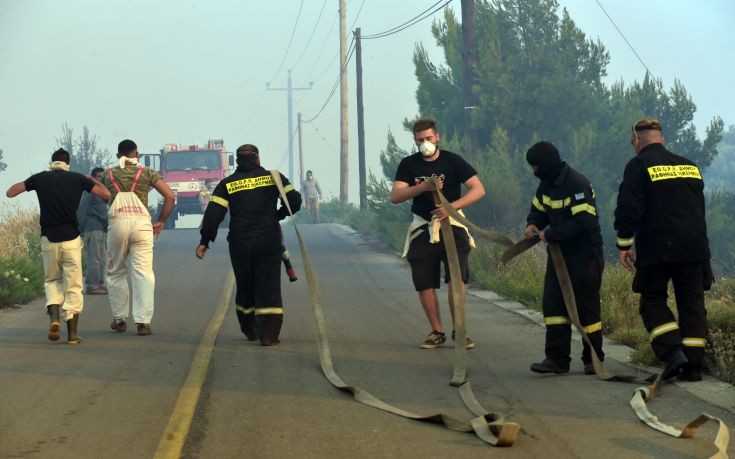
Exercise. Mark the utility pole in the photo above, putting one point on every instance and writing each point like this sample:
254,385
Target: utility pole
360,121
289,91
344,134
301,152
468,68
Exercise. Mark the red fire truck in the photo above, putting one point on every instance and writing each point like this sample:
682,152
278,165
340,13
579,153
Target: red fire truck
187,170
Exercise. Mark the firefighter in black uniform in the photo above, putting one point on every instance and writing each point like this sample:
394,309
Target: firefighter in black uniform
564,204
251,196
661,210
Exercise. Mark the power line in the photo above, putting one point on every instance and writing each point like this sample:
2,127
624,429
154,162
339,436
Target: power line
625,39
415,20
322,136
648,72
336,83
310,36
254,109
359,10
326,69
324,45
285,153
288,48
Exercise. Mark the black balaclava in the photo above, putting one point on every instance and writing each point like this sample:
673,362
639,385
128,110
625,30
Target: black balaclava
545,156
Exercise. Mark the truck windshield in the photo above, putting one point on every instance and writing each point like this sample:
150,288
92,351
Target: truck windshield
193,160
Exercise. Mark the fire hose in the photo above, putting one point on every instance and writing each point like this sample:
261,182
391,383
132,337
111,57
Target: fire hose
489,427
641,394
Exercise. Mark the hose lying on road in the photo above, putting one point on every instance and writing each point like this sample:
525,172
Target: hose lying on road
641,394
489,427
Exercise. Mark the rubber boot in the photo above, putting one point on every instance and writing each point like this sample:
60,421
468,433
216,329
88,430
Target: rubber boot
549,366
55,326
71,328
675,360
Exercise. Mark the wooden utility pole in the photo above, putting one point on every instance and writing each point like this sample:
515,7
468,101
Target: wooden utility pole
468,68
301,152
344,134
360,122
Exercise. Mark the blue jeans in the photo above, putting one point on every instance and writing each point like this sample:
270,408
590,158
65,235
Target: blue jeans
96,242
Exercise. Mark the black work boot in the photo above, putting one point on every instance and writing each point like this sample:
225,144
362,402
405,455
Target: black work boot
71,328
548,366
690,372
674,361
55,326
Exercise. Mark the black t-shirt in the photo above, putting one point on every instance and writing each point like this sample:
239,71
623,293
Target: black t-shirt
59,193
450,166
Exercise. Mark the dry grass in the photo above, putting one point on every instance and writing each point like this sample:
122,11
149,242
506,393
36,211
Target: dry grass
21,268
523,281
19,232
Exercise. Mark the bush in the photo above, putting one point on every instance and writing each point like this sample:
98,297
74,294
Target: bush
522,280
21,268
390,231
720,357
619,307
20,233
21,280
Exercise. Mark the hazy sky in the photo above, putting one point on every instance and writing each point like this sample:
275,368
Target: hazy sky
184,71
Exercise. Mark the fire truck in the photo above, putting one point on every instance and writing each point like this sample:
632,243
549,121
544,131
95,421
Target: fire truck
187,169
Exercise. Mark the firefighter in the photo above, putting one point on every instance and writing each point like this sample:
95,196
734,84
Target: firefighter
661,229
563,211
250,195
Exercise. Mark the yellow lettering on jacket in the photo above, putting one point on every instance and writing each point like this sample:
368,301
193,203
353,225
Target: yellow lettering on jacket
249,183
673,172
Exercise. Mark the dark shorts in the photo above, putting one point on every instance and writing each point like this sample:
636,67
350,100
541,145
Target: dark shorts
426,259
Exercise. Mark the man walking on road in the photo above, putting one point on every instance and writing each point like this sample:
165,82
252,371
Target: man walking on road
563,211
312,196
59,193
661,210
130,237
424,248
251,195
92,216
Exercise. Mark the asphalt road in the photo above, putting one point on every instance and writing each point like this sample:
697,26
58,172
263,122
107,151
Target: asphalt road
113,395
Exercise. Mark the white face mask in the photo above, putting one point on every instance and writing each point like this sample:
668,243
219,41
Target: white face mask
427,148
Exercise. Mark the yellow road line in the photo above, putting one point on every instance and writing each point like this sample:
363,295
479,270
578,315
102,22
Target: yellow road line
178,426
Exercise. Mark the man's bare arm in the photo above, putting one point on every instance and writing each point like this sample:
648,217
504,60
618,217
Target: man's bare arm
475,192
168,204
402,191
100,190
16,189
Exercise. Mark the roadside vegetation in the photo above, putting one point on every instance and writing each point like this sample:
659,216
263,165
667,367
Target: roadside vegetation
539,77
522,280
21,268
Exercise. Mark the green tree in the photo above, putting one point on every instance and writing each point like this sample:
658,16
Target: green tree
84,150
3,165
721,173
538,76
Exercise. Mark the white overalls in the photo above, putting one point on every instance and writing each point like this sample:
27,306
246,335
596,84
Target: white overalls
130,249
